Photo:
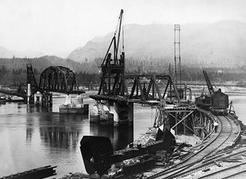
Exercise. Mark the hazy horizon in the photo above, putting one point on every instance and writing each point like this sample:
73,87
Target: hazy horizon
58,27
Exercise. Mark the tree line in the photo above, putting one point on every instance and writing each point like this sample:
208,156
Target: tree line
17,76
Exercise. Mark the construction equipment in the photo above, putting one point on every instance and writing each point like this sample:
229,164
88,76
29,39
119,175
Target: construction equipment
210,87
98,156
112,79
217,102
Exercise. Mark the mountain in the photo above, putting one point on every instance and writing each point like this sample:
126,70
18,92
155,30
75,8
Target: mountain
43,62
13,70
73,65
210,45
6,53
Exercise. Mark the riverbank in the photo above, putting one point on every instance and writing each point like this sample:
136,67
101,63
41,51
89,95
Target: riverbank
187,143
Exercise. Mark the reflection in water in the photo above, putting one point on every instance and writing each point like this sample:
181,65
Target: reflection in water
61,131
120,136
48,138
29,129
59,137
30,108
64,131
32,137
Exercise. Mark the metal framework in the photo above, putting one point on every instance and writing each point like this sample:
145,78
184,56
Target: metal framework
30,79
116,86
57,79
151,87
209,84
144,89
113,68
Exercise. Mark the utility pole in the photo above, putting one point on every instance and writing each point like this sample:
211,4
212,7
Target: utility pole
177,57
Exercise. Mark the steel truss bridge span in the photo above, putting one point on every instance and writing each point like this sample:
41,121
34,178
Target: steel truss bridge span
53,79
139,89
58,79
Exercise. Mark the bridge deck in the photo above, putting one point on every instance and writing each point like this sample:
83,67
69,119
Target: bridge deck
123,99
118,98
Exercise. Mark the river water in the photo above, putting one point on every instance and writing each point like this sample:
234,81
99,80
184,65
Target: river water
31,138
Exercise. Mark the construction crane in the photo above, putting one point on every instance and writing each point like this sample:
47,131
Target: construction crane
210,87
115,42
217,102
113,67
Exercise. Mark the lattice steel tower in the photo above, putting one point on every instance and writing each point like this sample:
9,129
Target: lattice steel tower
177,57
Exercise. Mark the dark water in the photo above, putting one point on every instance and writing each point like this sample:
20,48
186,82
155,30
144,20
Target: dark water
30,137
33,138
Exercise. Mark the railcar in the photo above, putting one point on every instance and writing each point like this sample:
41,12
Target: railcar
220,103
217,102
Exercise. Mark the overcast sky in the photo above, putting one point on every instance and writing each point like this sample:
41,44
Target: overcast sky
56,27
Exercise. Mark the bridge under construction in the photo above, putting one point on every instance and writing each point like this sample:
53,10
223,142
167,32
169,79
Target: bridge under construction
209,118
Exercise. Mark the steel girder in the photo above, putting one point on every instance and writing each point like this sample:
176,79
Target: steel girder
31,79
57,79
151,87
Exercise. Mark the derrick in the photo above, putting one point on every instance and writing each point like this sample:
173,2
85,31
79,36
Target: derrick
113,67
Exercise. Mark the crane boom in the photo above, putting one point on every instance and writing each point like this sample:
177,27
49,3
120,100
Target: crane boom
112,67
210,87
119,31
114,42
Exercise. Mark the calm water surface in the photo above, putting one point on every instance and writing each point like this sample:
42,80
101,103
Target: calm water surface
33,138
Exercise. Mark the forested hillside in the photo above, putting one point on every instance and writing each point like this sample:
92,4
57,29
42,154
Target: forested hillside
13,71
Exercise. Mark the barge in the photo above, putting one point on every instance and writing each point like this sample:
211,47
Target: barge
74,109
71,108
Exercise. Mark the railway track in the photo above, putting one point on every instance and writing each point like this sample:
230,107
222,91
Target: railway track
228,172
203,166
203,157
228,136
225,134
241,174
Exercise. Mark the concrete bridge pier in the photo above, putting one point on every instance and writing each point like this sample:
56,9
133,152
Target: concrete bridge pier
125,112
37,98
47,100
112,112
